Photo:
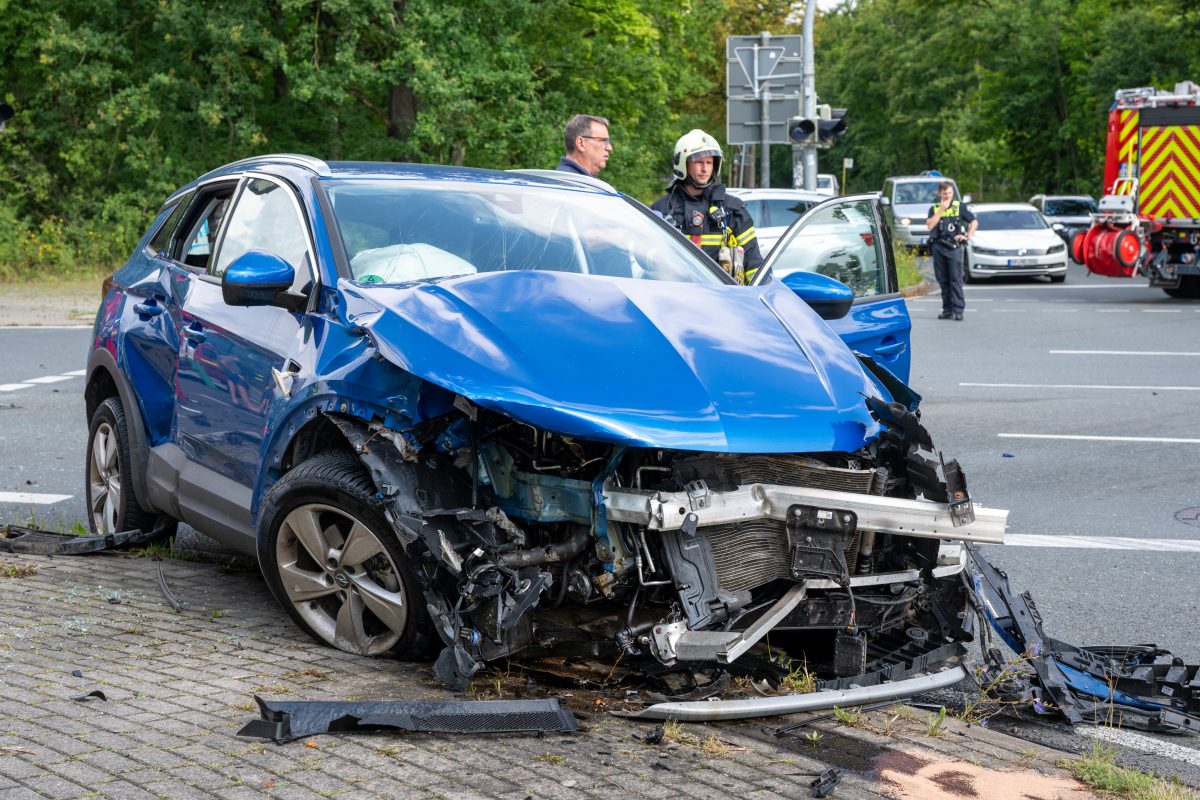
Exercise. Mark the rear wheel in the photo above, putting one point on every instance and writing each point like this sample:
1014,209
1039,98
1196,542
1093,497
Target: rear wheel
333,562
1188,288
111,503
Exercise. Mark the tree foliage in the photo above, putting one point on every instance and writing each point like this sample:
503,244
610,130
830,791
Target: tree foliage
119,103
1008,96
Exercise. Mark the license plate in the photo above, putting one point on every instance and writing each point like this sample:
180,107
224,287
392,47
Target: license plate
1022,262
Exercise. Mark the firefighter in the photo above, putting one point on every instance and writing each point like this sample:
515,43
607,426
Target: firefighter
951,226
697,205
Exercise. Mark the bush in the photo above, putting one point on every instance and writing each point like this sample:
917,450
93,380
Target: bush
56,248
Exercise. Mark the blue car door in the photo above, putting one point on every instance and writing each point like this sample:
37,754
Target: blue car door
230,355
847,239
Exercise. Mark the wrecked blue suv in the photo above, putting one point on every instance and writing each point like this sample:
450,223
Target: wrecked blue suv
471,414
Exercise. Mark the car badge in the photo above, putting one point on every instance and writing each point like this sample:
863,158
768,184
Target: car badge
697,218
1022,251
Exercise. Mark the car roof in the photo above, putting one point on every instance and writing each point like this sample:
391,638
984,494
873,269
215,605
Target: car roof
383,170
977,207
913,178
1066,196
784,194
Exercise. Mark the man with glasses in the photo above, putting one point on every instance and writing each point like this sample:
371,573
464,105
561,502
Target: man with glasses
587,144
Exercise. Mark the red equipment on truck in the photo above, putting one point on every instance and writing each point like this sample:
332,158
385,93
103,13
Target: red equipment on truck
1149,217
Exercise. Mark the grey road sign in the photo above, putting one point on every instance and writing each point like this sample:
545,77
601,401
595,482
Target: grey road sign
763,80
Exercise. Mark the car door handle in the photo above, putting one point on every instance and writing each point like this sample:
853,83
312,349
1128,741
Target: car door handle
195,335
150,309
890,349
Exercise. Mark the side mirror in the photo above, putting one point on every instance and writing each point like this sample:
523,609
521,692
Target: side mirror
885,201
966,199
831,299
259,278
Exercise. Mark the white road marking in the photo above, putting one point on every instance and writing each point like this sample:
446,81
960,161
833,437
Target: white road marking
1162,310
1102,543
1120,353
76,372
1060,310
1010,310
1146,744
45,328
12,387
29,497
1112,311
1082,386
1044,287
1147,439
48,379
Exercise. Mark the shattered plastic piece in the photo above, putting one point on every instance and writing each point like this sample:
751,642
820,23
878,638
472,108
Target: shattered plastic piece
31,541
1008,455
825,783
285,721
82,698
77,673
1119,686
656,736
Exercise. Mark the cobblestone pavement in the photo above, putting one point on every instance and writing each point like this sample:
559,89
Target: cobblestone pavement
179,686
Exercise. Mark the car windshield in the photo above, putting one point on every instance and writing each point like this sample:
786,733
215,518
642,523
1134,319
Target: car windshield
1010,220
399,231
921,192
1070,207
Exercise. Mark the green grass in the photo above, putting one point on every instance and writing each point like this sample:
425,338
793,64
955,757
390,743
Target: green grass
1098,770
907,272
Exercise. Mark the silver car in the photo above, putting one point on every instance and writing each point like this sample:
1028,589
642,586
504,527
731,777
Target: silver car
773,210
1013,239
906,203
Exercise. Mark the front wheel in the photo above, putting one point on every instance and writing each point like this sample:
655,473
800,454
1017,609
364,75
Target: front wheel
1058,278
1188,288
967,276
333,562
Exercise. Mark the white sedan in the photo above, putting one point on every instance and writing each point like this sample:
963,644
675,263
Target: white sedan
1013,239
773,210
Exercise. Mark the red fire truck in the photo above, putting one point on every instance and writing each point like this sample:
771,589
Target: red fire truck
1149,217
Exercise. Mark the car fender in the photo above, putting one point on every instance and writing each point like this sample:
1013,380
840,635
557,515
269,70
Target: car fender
101,366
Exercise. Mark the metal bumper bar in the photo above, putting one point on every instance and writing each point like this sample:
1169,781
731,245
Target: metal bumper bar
710,710
667,511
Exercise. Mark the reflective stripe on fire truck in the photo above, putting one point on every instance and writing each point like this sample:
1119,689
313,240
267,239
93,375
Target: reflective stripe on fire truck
1127,135
1170,171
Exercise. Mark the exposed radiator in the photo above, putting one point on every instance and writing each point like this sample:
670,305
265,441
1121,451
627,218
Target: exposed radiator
753,553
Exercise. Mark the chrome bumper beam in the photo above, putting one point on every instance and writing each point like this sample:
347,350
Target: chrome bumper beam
667,511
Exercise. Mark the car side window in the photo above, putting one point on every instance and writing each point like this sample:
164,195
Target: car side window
198,244
160,245
266,217
842,241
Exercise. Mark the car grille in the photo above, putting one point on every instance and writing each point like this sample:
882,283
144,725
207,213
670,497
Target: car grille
747,469
1022,252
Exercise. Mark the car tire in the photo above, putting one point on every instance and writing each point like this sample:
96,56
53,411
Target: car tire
336,566
112,505
967,276
1058,278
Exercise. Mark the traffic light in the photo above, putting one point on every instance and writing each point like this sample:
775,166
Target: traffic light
831,125
802,130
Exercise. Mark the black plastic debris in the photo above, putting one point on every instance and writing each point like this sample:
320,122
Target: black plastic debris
167,594
83,698
77,673
824,784
656,736
285,721
31,541
1124,686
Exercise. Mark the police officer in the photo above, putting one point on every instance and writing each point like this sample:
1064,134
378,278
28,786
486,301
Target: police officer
697,205
951,226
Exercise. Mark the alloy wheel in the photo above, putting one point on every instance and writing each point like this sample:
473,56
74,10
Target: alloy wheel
340,579
104,479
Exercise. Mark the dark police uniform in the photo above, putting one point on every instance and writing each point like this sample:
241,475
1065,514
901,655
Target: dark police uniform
948,254
693,217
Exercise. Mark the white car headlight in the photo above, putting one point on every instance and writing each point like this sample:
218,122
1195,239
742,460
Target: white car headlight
906,221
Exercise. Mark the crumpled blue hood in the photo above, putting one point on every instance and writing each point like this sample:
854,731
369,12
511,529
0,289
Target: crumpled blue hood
644,363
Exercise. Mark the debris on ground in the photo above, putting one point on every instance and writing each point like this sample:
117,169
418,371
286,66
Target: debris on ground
284,721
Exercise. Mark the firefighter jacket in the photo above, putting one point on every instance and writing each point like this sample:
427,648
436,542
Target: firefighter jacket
694,217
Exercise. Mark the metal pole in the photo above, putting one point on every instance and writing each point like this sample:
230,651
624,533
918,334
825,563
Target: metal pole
809,94
764,118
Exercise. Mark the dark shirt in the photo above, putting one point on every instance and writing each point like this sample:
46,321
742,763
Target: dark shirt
692,217
567,165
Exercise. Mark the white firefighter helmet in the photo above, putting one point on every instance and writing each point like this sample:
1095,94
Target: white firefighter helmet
695,144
